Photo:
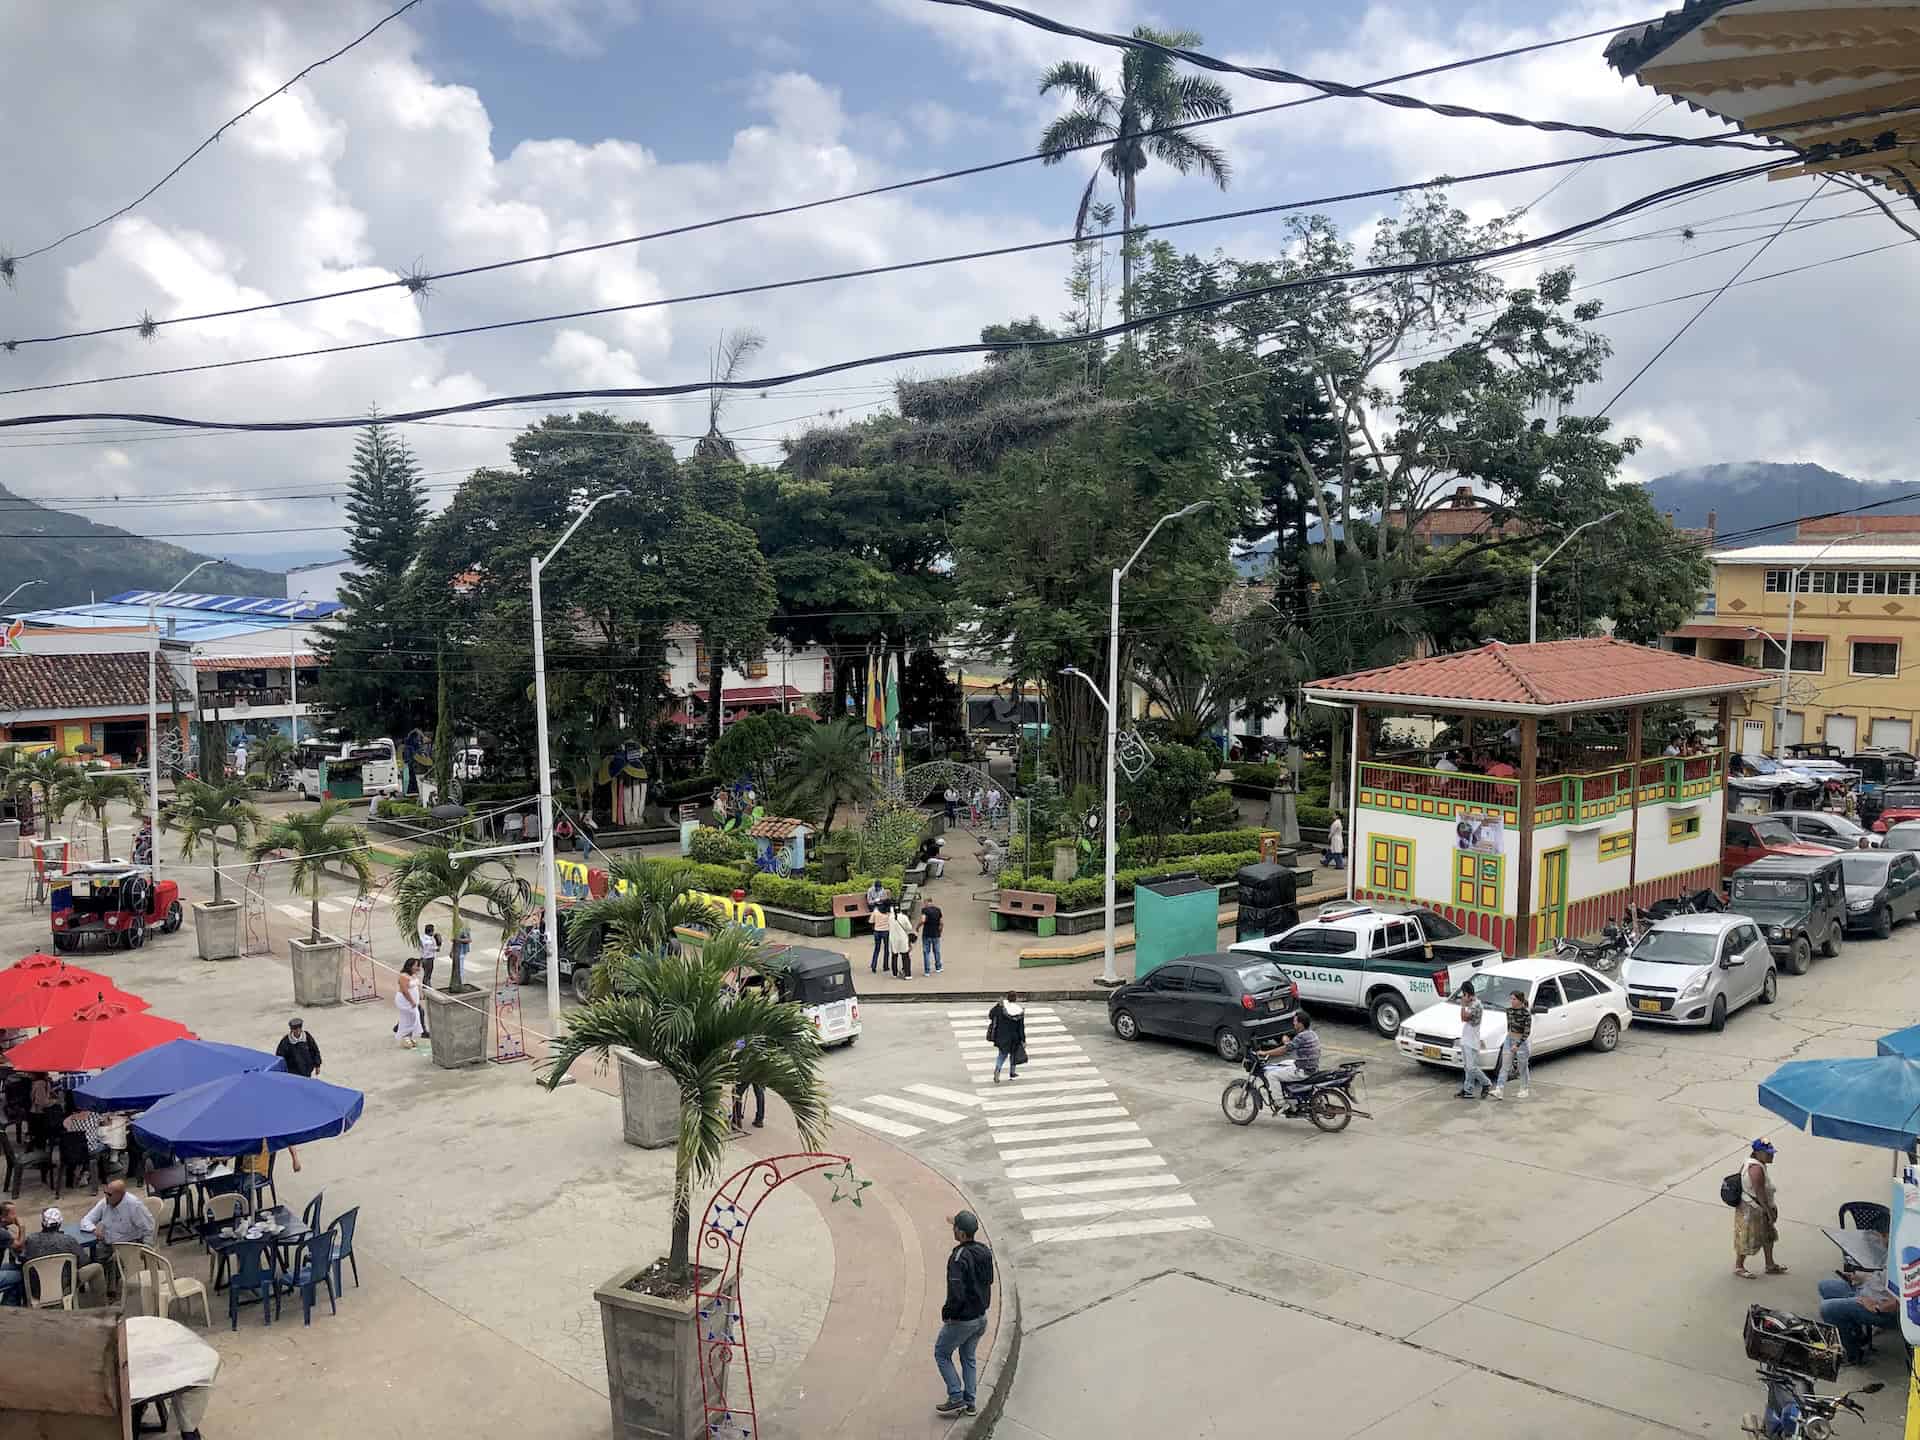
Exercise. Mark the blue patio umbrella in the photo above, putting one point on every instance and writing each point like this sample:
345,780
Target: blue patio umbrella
240,1113
1905,1043
151,1076
1869,1102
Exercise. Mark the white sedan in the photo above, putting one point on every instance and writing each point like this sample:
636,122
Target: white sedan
1571,1004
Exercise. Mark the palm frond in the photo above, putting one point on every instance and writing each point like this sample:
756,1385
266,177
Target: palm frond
1070,131
1187,155
1078,79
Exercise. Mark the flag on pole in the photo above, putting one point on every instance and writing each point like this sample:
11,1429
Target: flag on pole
875,719
893,715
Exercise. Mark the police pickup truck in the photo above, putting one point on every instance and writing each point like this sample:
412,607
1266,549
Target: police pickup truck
1387,961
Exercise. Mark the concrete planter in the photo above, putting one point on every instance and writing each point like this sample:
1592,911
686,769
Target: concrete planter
216,928
458,1023
316,970
653,1363
830,867
1066,861
649,1103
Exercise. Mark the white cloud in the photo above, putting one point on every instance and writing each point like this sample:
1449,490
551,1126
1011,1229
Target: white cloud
573,27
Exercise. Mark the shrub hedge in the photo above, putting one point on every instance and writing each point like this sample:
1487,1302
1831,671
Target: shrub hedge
1206,842
810,897
1256,773
1085,893
678,792
719,847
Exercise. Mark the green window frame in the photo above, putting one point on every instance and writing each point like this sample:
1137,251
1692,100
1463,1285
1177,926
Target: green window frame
1683,827
1390,865
1616,846
1478,880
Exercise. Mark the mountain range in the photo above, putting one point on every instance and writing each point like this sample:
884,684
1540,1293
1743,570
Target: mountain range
1749,499
77,560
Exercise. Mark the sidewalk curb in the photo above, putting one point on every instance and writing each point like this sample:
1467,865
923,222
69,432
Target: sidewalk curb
941,997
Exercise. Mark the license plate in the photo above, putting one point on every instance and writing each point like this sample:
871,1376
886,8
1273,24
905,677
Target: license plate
1433,1052
1651,1007
1276,1004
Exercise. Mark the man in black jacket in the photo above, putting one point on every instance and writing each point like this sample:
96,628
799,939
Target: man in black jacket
964,1316
299,1051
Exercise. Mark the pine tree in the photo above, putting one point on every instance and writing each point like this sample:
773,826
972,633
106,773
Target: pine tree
385,504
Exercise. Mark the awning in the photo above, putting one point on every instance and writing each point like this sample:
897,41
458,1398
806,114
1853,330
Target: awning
1718,632
750,694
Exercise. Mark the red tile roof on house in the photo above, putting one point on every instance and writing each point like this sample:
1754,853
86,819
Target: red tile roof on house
748,694
1553,676
77,682
1867,527
249,662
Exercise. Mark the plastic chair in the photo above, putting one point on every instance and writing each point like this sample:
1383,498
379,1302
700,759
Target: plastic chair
253,1185
75,1155
127,1265
1866,1215
156,1275
313,1266
311,1215
253,1274
342,1233
157,1208
53,1283
16,1171
169,1182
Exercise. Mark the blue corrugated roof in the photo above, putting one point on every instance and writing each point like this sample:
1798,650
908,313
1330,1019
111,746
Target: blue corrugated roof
257,605
189,616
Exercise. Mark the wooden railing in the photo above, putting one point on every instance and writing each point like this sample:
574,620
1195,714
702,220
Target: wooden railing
1587,796
1479,790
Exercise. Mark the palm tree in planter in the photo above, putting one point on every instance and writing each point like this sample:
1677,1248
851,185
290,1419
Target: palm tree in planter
202,813
643,907
677,1011
830,768
431,876
269,757
93,791
42,772
312,839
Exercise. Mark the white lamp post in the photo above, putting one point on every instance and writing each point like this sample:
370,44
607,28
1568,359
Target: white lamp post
1111,701
18,588
548,878
1786,654
1533,584
153,709
293,678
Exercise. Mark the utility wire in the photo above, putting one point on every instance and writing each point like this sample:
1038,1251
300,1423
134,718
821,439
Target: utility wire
414,282
980,347
8,263
831,277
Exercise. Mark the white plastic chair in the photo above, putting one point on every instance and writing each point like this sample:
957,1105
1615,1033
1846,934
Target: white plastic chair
57,1278
156,1276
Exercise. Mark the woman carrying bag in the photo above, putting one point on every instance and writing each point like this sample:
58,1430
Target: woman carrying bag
1007,1029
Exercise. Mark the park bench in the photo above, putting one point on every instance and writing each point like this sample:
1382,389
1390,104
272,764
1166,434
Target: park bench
847,910
1009,905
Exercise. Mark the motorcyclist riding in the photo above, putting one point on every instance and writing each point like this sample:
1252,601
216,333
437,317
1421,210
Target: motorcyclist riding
1294,1058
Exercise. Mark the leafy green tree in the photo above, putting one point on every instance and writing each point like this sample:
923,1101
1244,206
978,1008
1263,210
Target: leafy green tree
432,875
1152,95
268,756
42,772
644,906
930,697
93,791
831,767
759,748
1162,797
314,839
678,1010
202,812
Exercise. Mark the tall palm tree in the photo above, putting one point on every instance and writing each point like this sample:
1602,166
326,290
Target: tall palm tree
270,754
42,772
201,812
677,1010
830,768
93,791
316,837
431,875
642,908
1152,96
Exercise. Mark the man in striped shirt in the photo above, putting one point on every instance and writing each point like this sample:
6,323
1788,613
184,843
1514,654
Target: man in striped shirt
1517,1053
1297,1057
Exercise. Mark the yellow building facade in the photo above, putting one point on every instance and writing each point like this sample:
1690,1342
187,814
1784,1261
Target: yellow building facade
1854,676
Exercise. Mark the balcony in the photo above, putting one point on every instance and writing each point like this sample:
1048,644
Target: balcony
264,697
1575,798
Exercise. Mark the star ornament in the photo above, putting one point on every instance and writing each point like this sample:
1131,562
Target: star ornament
854,1184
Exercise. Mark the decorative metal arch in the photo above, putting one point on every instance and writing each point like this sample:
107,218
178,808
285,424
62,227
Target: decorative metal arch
509,1026
362,974
258,939
720,1311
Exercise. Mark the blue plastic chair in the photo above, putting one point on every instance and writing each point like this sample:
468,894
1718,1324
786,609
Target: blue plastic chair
311,1215
341,1232
253,1274
314,1267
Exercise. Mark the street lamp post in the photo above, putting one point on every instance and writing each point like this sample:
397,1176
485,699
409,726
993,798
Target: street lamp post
1533,584
1112,701
153,709
549,879
1786,654
18,588
293,677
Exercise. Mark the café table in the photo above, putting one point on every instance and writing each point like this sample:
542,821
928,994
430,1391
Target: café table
169,1367
98,1250
1864,1249
221,1244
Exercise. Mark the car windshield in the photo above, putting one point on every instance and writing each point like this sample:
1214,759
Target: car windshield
1903,837
1676,947
1870,870
1772,832
1255,978
1438,927
1840,825
1761,765
1492,991
1770,889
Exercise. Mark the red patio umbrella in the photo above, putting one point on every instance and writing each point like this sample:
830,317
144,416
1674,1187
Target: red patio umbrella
14,981
39,960
56,998
100,1035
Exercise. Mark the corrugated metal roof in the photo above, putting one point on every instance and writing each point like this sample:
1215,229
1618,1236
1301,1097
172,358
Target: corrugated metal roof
258,605
1868,552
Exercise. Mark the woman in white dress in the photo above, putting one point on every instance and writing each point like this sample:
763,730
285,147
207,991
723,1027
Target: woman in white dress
406,999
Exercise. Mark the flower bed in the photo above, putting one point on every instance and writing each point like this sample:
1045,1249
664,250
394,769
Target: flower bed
1082,894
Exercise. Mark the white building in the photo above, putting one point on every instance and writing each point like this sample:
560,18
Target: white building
782,678
323,581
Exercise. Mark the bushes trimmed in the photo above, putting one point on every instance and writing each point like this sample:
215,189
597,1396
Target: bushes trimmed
719,847
1254,772
1207,842
1086,893
810,897
391,807
1313,817
678,792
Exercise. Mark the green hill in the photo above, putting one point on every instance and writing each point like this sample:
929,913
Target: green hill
76,560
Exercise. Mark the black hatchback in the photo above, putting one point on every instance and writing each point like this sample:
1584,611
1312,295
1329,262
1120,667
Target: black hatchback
1226,1001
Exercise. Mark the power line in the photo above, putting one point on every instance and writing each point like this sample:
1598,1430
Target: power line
894,357
8,263
865,272
415,281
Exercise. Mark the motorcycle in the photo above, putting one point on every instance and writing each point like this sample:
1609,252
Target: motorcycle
1325,1097
1604,954
1795,1412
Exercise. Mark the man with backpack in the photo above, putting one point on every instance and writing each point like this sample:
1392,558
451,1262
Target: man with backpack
963,1318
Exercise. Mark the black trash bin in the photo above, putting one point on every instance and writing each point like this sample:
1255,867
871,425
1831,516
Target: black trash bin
1267,900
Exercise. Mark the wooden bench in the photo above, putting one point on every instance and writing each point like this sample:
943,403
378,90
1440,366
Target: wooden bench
846,910
1025,904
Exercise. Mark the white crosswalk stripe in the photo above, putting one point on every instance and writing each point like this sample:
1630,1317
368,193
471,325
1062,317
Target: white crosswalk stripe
987,1047
982,1011
1037,1102
1098,1113
293,912
913,1107
1096,1187
1050,1083
1085,1167
875,1122
1065,1132
1086,1147
1076,1065
952,1097
1067,1209
1123,1227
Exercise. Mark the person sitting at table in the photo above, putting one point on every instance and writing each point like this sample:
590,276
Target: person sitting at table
50,1239
1857,1302
13,1280
119,1220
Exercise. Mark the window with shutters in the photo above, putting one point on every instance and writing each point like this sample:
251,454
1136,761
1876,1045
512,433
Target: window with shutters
1390,865
1476,879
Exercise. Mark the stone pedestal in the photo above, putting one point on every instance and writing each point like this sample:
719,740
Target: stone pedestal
1283,815
649,1103
458,1021
653,1366
1066,861
316,970
216,929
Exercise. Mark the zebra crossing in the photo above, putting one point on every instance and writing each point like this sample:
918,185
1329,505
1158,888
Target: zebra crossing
299,910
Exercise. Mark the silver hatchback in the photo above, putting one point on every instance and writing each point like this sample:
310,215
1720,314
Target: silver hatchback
1697,969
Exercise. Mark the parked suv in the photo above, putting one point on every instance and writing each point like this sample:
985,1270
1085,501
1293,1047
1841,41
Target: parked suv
1695,969
1897,803
1883,888
1226,1001
1799,903
1823,827
1753,837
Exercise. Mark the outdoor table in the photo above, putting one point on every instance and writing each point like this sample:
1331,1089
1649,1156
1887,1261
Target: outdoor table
293,1231
170,1367
97,1249
1864,1249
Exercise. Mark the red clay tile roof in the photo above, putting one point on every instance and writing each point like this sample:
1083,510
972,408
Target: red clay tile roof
77,682
1553,675
776,827
249,662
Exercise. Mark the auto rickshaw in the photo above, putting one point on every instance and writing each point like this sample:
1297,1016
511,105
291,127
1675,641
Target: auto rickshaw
821,983
115,904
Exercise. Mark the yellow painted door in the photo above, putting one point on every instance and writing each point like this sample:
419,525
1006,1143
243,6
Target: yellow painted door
1553,893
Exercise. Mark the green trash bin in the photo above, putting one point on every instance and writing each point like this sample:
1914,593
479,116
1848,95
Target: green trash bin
1173,917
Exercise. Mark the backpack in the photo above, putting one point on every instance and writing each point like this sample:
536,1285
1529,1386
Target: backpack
1730,1188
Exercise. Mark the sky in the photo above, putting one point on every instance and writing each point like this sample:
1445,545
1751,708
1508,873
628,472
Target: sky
476,130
